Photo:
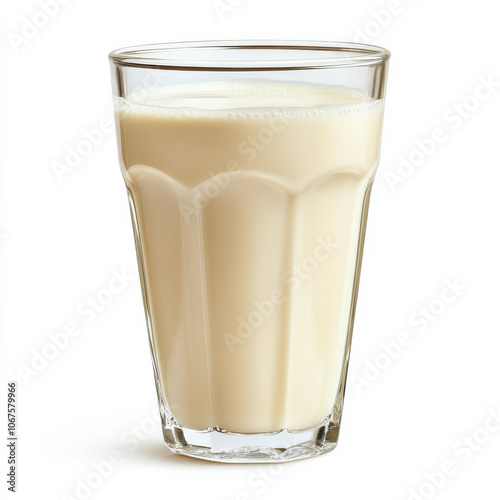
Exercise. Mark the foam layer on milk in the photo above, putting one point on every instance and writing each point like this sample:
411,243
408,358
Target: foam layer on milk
247,100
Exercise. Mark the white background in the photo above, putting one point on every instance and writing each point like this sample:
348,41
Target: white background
62,239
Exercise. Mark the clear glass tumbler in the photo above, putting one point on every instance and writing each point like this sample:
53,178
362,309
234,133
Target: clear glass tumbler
248,167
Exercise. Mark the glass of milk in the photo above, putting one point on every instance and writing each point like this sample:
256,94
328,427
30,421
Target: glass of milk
248,167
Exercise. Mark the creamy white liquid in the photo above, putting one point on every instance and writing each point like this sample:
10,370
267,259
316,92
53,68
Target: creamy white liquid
249,199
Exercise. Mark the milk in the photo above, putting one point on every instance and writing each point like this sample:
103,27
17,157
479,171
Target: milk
248,200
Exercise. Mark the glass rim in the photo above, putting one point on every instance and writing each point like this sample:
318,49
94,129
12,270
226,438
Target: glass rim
328,55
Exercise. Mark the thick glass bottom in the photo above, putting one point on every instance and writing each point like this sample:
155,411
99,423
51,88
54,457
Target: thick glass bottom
282,446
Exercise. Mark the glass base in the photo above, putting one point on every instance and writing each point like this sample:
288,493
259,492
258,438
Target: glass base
282,446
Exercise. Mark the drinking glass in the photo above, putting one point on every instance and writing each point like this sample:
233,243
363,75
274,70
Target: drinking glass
248,167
